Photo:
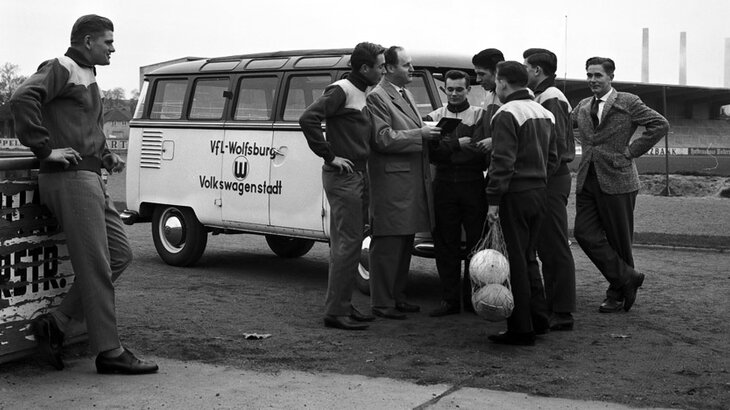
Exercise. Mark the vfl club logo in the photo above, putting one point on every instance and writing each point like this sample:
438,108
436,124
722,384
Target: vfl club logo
240,168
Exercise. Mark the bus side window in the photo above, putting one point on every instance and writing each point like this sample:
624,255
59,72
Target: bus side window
167,103
303,91
255,98
208,99
418,88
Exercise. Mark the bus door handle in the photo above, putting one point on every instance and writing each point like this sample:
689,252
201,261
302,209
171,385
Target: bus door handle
277,152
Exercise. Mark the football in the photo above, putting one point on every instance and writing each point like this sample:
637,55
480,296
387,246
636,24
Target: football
493,302
488,266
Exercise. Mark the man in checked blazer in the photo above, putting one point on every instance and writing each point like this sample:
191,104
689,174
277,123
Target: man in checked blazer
607,182
400,184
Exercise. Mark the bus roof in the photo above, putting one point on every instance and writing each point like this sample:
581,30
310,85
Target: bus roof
302,60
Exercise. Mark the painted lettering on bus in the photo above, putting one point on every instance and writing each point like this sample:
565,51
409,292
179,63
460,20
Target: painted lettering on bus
265,187
246,148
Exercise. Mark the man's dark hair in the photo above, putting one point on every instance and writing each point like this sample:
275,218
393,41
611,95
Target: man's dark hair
487,58
608,65
456,75
513,72
90,24
365,53
545,59
391,55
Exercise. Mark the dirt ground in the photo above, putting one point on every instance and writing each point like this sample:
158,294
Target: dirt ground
671,350
686,185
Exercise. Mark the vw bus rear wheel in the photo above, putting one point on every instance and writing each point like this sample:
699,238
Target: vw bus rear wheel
288,247
179,237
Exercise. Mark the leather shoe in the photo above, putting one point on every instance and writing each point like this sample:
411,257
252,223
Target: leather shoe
407,307
125,363
561,321
388,313
630,289
611,305
344,323
445,309
49,338
358,316
515,339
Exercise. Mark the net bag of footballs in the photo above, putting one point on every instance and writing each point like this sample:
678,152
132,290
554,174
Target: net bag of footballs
490,275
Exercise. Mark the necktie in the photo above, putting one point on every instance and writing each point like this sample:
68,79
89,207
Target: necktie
594,112
405,97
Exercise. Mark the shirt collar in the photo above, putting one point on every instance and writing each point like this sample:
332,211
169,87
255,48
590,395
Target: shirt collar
78,57
604,98
545,84
523,94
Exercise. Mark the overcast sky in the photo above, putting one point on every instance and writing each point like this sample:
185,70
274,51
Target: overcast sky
151,31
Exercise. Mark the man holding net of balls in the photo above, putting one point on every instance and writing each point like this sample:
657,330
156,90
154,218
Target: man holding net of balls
524,154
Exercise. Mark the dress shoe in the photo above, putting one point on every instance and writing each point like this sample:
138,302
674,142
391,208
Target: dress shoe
388,313
407,307
445,309
630,289
358,316
49,338
125,363
344,323
561,321
515,339
611,305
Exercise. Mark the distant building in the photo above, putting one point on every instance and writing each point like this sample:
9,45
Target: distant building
116,124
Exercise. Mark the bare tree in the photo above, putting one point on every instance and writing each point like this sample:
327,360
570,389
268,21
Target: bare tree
9,81
113,98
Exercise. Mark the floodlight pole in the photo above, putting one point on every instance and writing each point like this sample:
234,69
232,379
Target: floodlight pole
665,191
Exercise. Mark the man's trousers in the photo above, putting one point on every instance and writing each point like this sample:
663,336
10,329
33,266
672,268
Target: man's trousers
604,229
558,267
98,248
521,214
457,205
390,261
345,194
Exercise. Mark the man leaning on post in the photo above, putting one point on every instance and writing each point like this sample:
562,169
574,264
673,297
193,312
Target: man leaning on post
608,182
58,115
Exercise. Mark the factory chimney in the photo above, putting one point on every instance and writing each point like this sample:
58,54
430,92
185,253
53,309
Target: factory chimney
727,62
645,56
683,58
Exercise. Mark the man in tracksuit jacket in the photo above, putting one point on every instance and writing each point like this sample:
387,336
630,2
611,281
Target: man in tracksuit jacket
344,175
58,115
558,267
458,192
524,155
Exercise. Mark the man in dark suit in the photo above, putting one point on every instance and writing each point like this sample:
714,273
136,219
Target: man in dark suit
608,182
400,185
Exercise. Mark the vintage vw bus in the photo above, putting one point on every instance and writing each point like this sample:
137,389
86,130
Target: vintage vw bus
215,146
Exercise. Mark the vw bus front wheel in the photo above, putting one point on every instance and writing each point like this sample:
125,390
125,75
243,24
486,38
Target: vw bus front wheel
179,237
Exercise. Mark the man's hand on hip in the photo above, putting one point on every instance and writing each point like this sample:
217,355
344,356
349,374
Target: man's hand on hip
343,164
113,163
66,156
